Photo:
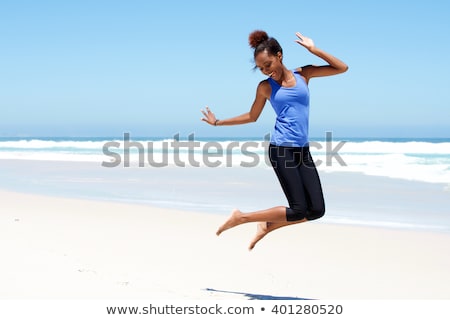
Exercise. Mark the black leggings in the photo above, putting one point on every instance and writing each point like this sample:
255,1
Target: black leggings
300,181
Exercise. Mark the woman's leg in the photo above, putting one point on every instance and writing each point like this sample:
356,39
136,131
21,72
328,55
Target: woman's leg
314,199
263,228
312,187
286,164
275,214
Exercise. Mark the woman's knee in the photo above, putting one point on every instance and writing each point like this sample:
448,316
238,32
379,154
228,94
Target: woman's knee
315,214
296,213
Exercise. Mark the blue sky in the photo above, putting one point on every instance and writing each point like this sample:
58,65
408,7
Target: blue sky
101,68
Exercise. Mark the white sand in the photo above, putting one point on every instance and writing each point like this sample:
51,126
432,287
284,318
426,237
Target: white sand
67,248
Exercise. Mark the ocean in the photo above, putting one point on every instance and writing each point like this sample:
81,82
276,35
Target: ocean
426,160
401,183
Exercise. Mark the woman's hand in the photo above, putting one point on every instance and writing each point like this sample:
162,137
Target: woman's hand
304,41
209,116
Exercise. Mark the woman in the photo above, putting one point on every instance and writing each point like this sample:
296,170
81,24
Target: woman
287,90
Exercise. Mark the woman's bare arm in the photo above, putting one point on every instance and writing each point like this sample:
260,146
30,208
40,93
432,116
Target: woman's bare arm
262,94
335,66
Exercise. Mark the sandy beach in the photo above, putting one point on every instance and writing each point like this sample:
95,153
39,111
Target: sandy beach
55,247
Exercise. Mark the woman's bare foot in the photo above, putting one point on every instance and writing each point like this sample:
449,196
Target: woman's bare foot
233,221
261,231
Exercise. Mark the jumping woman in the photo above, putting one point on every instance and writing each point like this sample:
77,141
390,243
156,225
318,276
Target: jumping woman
287,90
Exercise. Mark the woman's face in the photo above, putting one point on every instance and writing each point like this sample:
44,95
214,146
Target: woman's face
270,65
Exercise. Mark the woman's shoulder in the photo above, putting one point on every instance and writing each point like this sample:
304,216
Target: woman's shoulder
264,83
302,70
264,88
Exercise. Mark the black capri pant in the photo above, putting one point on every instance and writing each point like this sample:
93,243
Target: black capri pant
300,181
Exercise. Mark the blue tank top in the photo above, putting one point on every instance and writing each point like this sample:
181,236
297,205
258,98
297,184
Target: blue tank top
291,105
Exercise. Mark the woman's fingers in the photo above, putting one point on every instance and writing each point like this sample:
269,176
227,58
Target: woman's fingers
304,41
209,115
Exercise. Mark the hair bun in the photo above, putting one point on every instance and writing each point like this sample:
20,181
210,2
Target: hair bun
257,37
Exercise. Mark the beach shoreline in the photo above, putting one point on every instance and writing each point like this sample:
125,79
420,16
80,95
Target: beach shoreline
55,247
350,198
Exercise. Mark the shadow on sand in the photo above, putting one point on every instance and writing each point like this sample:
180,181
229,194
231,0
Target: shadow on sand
255,296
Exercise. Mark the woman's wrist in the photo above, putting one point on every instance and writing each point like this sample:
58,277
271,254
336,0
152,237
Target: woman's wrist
313,49
216,122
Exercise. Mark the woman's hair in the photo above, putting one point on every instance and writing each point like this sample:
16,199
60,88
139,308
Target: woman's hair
260,41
